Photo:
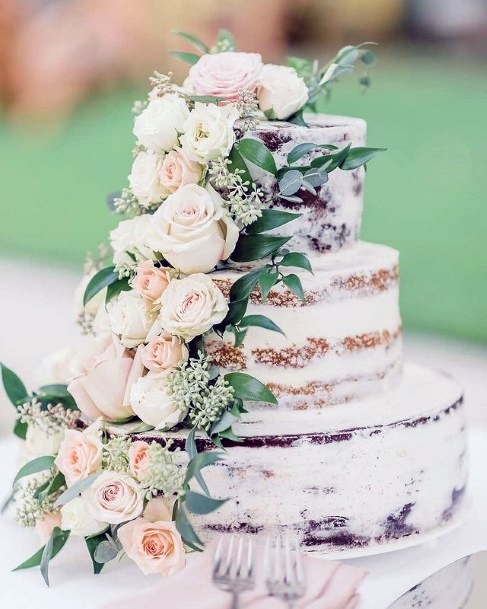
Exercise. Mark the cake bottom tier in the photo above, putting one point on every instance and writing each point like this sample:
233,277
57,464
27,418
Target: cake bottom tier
358,475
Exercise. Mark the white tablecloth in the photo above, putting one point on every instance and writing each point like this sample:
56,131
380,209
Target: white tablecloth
74,586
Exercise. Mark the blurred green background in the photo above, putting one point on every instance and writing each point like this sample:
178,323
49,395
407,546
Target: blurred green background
425,195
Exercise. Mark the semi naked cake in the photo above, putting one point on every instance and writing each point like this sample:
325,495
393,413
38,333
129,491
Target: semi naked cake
361,450
243,369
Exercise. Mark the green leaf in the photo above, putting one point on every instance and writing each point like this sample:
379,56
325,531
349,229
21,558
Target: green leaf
304,67
185,528
368,57
54,394
359,156
298,260
39,464
199,44
20,429
293,282
190,444
271,218
290,182
225,37
236,310
190,58
316,177
115,288
227,420
298,119
205,99
51,487
301,149
35,560
14,387
238,162
106,550
257,153
92,543
73,491
98,282
7,502
267,281
201,504
228,434
337,158
260,321
239,337
256,247
248,388
195,466
243,287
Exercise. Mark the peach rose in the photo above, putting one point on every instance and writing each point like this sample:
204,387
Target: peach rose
224,74
105,372
45,527
115,498
138,459
177,170
150,281
79,456
164,352
153,542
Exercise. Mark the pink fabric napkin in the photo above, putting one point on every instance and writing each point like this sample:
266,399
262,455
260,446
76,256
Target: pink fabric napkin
330,585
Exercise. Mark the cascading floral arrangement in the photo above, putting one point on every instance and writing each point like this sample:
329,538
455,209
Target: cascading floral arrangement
192,207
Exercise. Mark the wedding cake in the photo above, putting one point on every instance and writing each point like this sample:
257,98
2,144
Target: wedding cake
243,367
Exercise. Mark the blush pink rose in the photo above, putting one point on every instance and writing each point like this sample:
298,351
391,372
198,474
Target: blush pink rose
115,498
138,459
45,527
164,352
224,74
153,542
150,281
105,372
177,170
79,456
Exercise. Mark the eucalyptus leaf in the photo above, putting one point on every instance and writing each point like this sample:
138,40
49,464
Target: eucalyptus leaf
190,444
260,321
290,182
228,434
35,560
304,67
205,99
190,58
316,177
14,387
202,504
298,260
51,486
196,42
73,491
248,388
293,282
256,152
301,149
98,282
271,218
368,57
92,544
39,464
106,551
256,247
198,463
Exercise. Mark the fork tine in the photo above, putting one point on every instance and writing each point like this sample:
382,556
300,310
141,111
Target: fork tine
288,560
277,560
267,559
238,566
250,559
299,564
228,563
218,556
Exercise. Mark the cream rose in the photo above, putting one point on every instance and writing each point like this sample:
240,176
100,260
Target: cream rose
139,462
177,170
77,518
104,373
115,498
159,125
130,318
56,368
79,456
225,74
281,91
191,306
128,241
192,230
153,542
150,281
164,352
208,132
152,403
39,443
146,178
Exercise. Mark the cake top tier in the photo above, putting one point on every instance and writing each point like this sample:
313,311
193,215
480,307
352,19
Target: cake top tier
331,216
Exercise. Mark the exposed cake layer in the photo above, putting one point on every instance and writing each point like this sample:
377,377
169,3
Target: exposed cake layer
358,476
330,219
343,343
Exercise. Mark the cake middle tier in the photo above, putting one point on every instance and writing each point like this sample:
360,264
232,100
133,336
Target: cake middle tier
343,343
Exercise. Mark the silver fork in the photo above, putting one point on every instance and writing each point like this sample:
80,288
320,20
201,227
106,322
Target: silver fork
233,567
284,573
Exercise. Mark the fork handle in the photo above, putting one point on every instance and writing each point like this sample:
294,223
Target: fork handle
235,600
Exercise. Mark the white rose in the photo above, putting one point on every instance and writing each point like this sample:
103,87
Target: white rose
128,241
76,517
56,368
192,230
208,132
152,404
115,498
93,305
38,443
130,318
191,306
281,92
146,178
159,125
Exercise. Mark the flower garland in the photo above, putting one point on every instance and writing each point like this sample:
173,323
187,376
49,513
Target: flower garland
192,205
